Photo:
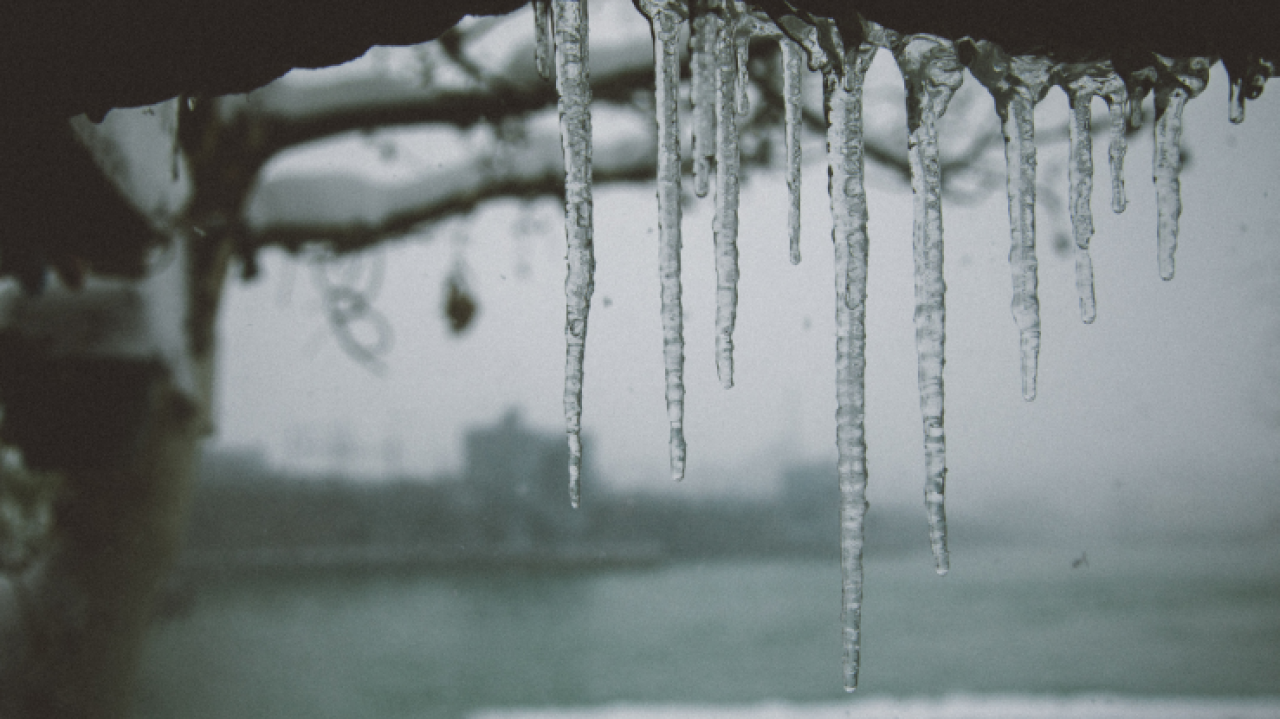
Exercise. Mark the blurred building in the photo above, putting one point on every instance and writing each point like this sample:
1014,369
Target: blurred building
519,480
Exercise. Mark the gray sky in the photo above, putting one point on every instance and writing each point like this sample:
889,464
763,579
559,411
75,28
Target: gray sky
1168,406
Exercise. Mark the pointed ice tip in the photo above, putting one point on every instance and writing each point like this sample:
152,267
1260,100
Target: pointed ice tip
942,571
850,688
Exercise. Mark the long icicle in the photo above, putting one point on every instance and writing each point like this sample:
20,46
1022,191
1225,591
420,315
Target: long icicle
931,74
665,24
849,235
705,28
791,84
574,88
1177,82
1082,82
726,218
1017,84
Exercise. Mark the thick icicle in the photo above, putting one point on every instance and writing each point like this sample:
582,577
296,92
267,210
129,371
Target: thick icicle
791,83
705,28
726,218
1179,81
665,23
544,39
574,88
1017,84
931,74
849,234
1082,82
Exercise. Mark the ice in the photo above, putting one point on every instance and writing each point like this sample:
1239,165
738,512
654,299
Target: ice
665,23
932,74
1247,86
705,31
791,83
742,48
1082,82
1178,81
1117,106
849,235
544,40
1017,84
573,86
726,211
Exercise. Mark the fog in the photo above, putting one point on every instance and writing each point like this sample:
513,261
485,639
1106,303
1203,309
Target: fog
1165,411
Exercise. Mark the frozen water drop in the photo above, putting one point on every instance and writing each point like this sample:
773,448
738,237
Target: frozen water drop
665,24
574,88
932,74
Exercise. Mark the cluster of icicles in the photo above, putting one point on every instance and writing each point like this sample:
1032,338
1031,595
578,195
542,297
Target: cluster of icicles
932,69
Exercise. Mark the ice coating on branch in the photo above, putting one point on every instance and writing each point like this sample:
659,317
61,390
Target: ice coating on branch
574,88
791,84
1082,82
1017,84
849,235
544,39
1177,81
932,74
665,23
704,33
726,217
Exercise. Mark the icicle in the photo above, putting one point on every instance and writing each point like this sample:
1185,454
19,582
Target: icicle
726,219
1083,81
1117,105
574,88
1246,86
849,234
932,74
1179,81
703,38
742,49
1080,178
665,23
791,83
544,39
1137,85
1017,84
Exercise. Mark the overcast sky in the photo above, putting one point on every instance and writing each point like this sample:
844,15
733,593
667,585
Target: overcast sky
1167,406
